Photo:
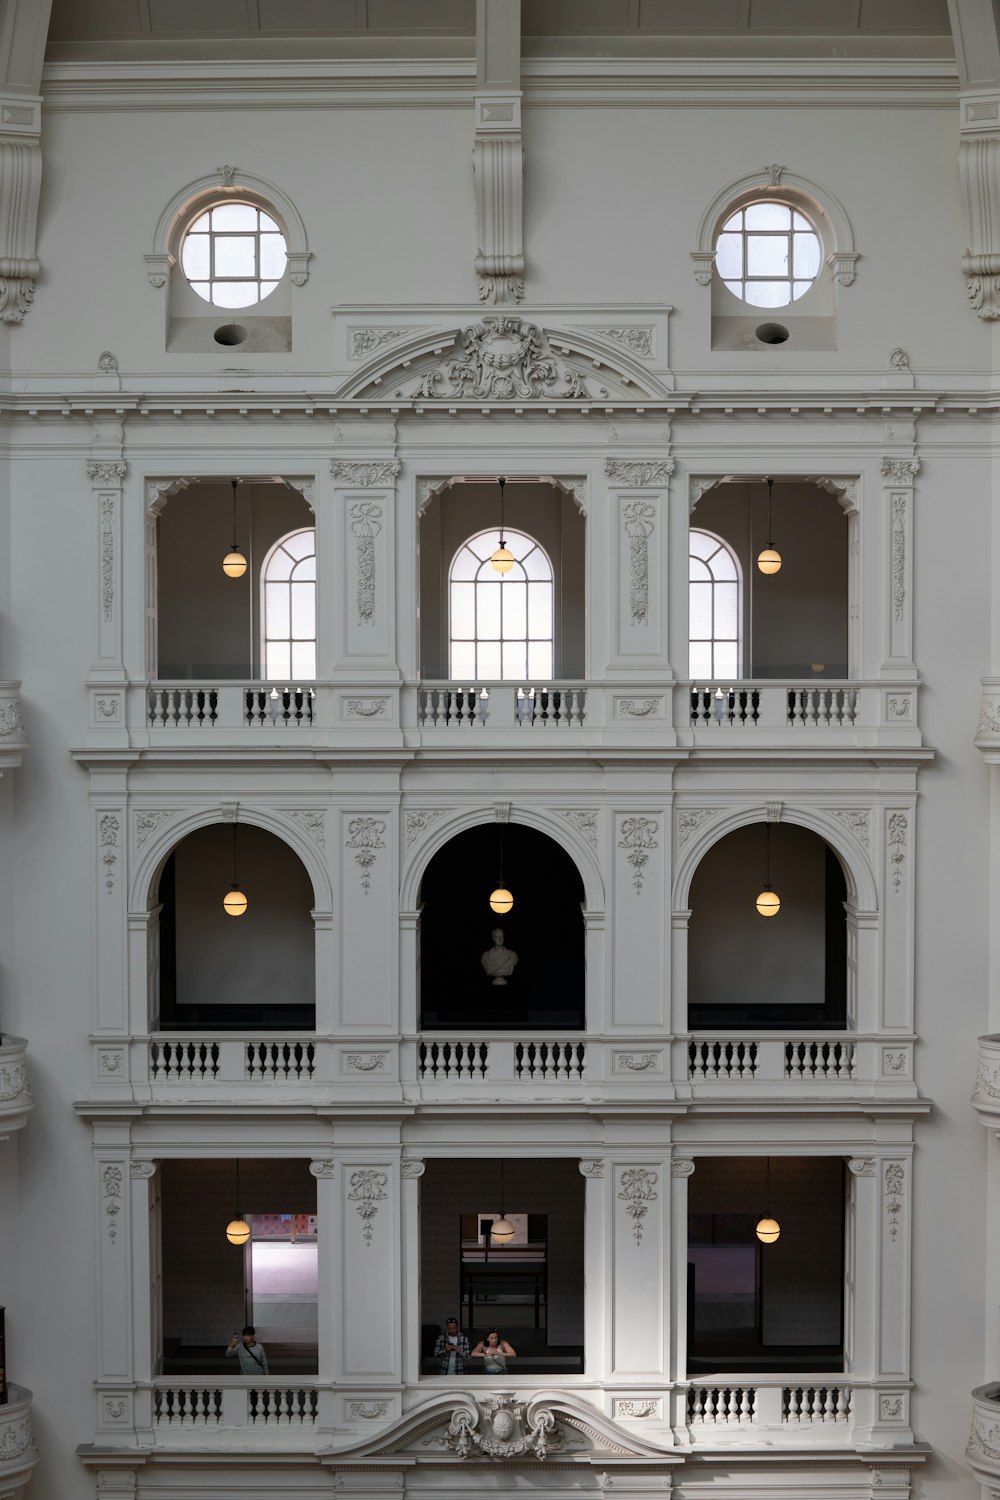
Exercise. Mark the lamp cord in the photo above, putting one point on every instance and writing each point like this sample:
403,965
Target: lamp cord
501,481
234,483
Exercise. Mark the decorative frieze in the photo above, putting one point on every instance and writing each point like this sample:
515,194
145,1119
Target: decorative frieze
636,1062
629,1409
366,708
504,358
365,1062
373,474
11,721
636,339
639,473
368,340
638,708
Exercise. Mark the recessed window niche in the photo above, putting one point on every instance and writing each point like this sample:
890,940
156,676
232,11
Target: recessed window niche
544,928
232,973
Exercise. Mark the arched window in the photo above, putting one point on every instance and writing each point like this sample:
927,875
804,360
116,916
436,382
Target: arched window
714,609
288,608
501,626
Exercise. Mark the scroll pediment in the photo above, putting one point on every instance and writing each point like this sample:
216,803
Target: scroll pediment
501,1427
505,358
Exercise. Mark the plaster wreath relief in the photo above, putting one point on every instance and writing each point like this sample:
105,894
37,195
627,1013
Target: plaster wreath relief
366,523
640,473
636,1062
989,717
419,822
503,359
365,838
584,820
365,1062
985,1438
638,836
11,721
368,1187
898,708
893,1189
987,1080
637,1191
366,708
15,1439
501,1429
107,708
890,1408
893,1062
114,1411
112,1178
14,1083
637,1409
110,1063
368,1411
108,839
638,708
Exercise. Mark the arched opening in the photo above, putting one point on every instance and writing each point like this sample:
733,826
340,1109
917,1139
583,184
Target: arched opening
549,521
228,973
206,626
459,963
792,623
784,971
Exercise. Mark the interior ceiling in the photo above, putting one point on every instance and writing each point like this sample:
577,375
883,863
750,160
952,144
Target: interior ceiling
95,29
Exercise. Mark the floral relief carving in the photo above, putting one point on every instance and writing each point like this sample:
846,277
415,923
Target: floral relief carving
107,708
985,1436
899,360
16,1438
900,470
892,1186
638,836
107,473
366,523
379,474
988,1080
146,824
504,358
640,474
989,717
639,708
637,1191
636,1062
592,1167
636,1409
326,1169
419,822
367,340
862,1166
500,1428
312,822
16,296
898,708
107,363
112,1179
107,555
584,820
640,518
638,340
141,1171
14,1082
110,1063
898,555
890,1408
108,829
368,1411
893,1062
857,822
689,820
11,722
897,846
366,708
365,839
368,1187
115,1410
365,1062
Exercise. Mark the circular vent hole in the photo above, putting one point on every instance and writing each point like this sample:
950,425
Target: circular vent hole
767,333
232,333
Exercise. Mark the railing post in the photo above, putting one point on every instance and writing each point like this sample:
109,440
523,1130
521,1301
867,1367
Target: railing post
234,1406
502,1063
768,1405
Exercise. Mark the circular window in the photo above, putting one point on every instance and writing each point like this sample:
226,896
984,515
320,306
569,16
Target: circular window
233,254
768,254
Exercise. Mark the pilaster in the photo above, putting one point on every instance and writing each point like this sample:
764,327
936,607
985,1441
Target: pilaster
497,154
363,554
639,1208
637,471
899,469
597,1262
106,471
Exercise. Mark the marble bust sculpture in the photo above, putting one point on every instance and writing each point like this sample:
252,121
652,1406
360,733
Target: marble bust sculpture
499,961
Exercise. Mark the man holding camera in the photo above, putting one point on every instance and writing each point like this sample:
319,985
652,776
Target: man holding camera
253,1360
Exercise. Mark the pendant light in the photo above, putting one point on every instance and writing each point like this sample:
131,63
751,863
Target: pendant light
768,903
501,899
769,561
234,564
238,1230
234,902
767,1229
503,1229
502,559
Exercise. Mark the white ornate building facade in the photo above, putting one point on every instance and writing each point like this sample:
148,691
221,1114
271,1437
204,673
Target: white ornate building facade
300,281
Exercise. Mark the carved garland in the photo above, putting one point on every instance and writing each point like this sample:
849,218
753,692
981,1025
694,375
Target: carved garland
638,836
893,1180
898,555
365,839
11,721
368,1186
637,1191
584,821
366,523
897,846
503,359
419,822
112,1179
108,830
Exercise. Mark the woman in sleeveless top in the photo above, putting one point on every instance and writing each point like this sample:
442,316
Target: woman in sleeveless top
494,1352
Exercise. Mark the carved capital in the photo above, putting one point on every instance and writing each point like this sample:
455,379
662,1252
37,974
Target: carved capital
106,475
370,474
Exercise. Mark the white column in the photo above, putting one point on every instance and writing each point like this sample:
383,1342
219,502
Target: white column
147,1333
367,981
897,478
640,1214
329,1269
596,1264
369,1316
326,979
640,957
363,579
638,517
680,1170
411,1169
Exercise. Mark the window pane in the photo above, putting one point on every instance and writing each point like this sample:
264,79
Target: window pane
279,567
201,224
734,224
806,256
798,288
515,659
488,611
234,293
767,255
463,661
700,661
267,223
768,293
266,288
235,255
700,544
305,571
729,255
272,256
540,611
540,661
700,617
723,565
463,611
194,256
736,287
489,660
203,289
515,608
536,564
300,543
800,221
278,664
303,661
303,611
276,606
768,216
234,216
484,546
466,564
725,663
725,612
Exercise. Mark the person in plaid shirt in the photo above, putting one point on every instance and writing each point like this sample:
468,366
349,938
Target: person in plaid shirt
452,1348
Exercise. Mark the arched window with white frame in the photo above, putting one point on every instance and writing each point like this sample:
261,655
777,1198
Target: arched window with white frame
715,609
501,626
288,608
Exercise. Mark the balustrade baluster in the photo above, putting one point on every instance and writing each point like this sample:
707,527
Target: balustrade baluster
843,1404
794,1405
746,1410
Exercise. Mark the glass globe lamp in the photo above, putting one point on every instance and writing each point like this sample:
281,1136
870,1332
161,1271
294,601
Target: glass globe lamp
234,903
237,1231
502,1231
768,904
769,561
767,1230
502,560
234,564
501,902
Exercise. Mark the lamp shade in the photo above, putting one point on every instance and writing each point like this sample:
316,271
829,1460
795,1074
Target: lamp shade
768,904
234,903
502,1231
237,1231
502,560
501,902
234,565
769,561
767,1230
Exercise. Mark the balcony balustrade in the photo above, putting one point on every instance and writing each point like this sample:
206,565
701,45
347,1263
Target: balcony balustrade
451,1066
15,1087
728,717
802,1411
18,1453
